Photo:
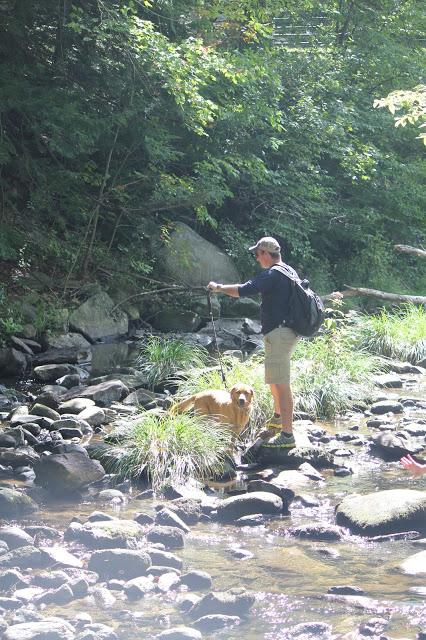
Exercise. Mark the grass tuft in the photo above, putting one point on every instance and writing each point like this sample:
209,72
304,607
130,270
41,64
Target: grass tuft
160,359
399,334
331,375
169,449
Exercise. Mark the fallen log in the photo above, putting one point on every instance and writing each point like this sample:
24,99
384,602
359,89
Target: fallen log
404,248
349,292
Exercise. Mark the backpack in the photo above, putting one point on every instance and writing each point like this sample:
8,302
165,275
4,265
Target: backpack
306,310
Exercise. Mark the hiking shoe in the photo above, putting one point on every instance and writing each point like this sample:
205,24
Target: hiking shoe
281,441
274,423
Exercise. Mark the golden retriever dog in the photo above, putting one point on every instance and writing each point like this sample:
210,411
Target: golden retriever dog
232,408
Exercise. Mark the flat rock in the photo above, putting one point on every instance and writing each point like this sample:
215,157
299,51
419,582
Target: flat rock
119,563
386,406
415,565
103,394
247,504
383,512
67,472
51,628
106,534
51,372
15,503
180,633
235,602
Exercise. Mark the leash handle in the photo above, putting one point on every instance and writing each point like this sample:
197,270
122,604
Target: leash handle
210,310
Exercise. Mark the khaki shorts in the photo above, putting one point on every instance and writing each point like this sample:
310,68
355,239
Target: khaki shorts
279,344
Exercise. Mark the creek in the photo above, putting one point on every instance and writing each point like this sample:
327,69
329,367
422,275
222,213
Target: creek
290,576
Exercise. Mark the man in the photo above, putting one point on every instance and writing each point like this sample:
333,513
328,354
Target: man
275,290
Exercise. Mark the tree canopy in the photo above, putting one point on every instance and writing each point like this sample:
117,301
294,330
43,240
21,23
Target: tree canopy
119,118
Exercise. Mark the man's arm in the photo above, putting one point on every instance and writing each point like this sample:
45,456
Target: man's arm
228,289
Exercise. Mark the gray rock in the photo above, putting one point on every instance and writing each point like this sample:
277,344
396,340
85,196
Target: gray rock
168,581
166,517
235,602
188,510
75,406
67,472
386,406
190,259
50,579
346,590
15,537
136,588
323,532
248,504
61,557
140,397
107,534
388,381
51,372
310,631
119,563
69,381
103,394
97,631
285,493
383,512
93,415
196,580
143,518
51,628
172,319
171,537
180,633
415,565
67,341
15,503
12,578
46,412
13,363
164,558
60,596
28,557
98,318
392,446
214,622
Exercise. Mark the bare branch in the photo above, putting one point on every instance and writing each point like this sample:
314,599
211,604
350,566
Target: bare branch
404,248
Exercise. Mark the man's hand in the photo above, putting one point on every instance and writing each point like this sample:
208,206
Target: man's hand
214,286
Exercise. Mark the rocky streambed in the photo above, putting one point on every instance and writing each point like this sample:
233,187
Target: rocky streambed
326,541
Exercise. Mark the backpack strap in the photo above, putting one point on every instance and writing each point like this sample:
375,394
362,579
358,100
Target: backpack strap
286,271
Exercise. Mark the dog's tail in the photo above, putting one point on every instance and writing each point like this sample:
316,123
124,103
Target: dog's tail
182,406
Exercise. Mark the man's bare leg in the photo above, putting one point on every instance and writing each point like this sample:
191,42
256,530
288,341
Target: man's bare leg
283,403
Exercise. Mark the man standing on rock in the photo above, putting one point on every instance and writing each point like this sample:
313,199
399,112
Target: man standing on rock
280,340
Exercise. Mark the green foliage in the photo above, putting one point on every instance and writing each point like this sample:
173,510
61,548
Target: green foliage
397,334
411,103
332,374
170,449
118,118
10,318
161,359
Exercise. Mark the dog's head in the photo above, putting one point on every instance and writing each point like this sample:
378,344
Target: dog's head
242,395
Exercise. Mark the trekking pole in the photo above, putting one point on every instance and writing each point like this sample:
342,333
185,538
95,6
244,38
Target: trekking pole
210,309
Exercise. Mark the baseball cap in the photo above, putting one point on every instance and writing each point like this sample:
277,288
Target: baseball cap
266,244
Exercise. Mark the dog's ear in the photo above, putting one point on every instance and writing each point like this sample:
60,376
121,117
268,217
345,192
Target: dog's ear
234,391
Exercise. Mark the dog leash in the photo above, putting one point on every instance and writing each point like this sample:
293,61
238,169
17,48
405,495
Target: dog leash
210,309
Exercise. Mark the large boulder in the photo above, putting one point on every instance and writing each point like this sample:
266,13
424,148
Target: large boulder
12,363
415,565
97,318
67,472
391,446
172,319
189,259
383,512
51,628
106,534
15,503
67,341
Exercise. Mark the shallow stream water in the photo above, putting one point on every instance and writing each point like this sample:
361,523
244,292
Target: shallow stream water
291,577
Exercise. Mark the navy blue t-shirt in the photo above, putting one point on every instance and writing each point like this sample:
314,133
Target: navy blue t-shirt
275,289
